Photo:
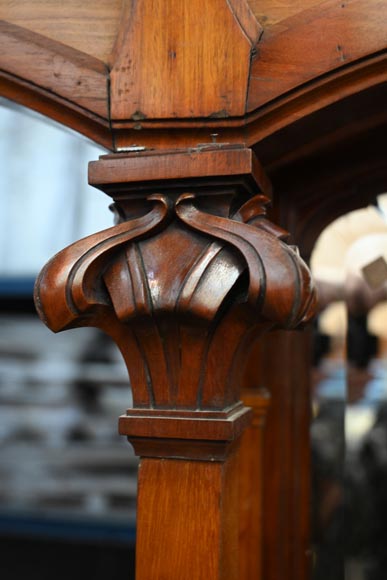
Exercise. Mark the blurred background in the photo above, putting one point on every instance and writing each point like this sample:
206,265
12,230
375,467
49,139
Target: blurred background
349,394
67,480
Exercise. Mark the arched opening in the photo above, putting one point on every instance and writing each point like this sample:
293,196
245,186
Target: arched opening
349,396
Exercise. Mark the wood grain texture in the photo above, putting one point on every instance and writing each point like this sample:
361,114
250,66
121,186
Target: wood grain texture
80,79
271,12
195,54
246,19
205,166
286,485
251,482
89,26
45,37
57,108
313,42
187,524
179,283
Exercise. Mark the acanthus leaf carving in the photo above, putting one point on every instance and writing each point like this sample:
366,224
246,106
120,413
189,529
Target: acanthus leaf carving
183,292
67,287
277,275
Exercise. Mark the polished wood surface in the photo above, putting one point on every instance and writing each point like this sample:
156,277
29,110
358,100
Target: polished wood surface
185,284
205,76
88,26
251,480
185,507
279,499
249,69
73,75
315,39
189,96
286,544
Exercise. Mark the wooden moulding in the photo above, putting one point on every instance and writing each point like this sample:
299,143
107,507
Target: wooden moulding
214,165
203,435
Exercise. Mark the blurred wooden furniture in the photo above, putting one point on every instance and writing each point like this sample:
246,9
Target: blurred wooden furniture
206,108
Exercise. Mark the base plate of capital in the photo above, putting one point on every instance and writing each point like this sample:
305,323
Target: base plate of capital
180,434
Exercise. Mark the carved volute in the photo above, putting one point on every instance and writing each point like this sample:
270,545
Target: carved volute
190,276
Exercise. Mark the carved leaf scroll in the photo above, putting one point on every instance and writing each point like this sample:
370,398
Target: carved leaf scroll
66,288
277,275
183,292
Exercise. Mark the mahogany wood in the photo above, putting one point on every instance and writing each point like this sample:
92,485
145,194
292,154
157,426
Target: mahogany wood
193,272
73,75
251,481
184,284
185,508
295,69
292,52
89,26
203,76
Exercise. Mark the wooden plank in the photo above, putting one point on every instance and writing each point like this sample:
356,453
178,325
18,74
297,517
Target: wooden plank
90,26
251,481
56,68
314,42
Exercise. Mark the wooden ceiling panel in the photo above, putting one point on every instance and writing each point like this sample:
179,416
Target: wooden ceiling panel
89,26
316,41
270,12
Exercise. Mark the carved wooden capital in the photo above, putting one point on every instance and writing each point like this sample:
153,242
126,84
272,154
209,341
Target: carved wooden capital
184,284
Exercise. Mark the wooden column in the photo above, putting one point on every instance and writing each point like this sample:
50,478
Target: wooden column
187,518
275,472
192,274
251,486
